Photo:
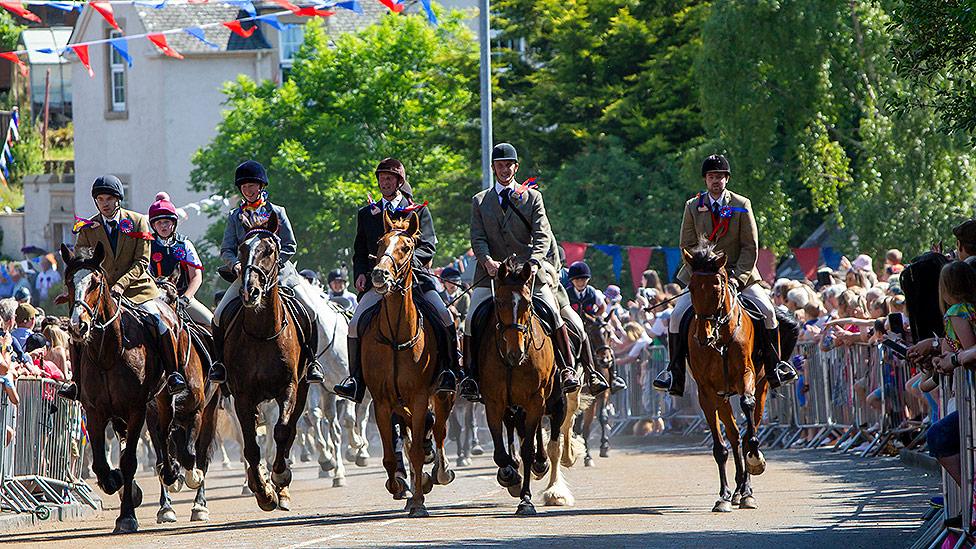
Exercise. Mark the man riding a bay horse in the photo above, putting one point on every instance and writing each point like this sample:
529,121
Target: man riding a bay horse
727,220
510,219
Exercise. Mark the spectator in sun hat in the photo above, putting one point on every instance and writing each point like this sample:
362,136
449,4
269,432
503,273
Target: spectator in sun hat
22,294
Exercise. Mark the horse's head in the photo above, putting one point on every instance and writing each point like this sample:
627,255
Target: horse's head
167,286
86,286
394,261
709,281
258,254
598,332
513,310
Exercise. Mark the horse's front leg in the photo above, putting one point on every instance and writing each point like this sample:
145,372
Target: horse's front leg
528,426
755,463
604,425
442,413
128,463
109,480
422,482
333,444
257,482
290,410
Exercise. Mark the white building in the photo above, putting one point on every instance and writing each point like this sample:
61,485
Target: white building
144,123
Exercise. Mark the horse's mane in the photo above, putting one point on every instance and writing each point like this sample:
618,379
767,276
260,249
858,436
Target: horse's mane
513,268
703,257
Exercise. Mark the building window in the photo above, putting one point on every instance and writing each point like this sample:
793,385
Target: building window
117,76
289,41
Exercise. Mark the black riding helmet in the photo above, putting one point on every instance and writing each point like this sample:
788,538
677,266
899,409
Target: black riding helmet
716,163
108,184
250,171
504,151
579,269
337,274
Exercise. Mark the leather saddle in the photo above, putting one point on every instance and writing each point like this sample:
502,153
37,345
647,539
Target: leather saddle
426,311
305,321
484,316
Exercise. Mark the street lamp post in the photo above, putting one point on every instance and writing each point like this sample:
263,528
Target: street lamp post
486,138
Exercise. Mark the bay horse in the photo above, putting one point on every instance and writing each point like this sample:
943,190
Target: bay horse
265,360
598,335
517,367
722,360
119,374
193,413
402,365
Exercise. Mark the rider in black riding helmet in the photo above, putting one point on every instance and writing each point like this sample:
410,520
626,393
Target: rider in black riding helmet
590,304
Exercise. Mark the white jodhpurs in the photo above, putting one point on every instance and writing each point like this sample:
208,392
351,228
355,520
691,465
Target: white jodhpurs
758,294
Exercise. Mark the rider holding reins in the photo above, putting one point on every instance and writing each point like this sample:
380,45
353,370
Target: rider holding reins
252,181
590,303
726,219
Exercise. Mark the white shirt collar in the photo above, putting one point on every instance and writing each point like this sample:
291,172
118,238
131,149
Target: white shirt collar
499,188
720,201
396,201
117,218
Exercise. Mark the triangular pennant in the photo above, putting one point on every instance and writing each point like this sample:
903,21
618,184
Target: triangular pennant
17,7
3,179
393,6
672,259
287,5
154,5
236,28
245,5
614,252
159,39
66,6
13,58
639,259
121,45
808,259
82,52
575,251
766,263
272,21
105,8
198,33
431,17
309,11
15,125
352,6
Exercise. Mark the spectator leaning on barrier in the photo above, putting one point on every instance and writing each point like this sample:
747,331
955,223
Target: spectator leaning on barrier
37,347
58,352
8,321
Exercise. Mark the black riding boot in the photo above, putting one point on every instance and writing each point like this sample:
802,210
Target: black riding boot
595,380
469,385
672,379
447,379
353,387
69,390
218,374
617,383
778,372
313,372
564,350
175,382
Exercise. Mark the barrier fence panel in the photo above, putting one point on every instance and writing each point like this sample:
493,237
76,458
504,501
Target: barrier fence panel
42,464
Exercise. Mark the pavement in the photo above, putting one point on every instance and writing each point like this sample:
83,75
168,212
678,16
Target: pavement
658,493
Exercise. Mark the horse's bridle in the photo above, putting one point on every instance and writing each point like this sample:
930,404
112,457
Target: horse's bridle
400,270
525,329
267,280
717,320
94,314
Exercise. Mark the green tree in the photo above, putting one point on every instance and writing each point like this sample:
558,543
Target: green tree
399,88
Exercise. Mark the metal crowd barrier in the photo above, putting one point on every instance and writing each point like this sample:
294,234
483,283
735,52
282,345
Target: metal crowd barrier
41,467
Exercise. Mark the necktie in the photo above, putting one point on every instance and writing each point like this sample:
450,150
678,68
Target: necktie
715,209
112,225
506,198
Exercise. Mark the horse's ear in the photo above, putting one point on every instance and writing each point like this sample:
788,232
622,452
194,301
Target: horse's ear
721,260
413,225
98,254
66,254
686,255
502,271
272,223
526,272
387,222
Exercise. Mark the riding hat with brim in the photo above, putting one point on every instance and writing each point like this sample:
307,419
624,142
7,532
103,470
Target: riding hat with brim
394,166
504,151
250,171
716,163
579,269
337,274
450,274
110,185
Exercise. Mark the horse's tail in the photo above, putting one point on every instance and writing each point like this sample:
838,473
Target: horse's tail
585,401
789,333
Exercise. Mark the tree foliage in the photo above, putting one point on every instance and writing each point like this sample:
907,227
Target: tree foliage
400,88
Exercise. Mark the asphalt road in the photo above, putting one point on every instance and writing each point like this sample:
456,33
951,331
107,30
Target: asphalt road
656,494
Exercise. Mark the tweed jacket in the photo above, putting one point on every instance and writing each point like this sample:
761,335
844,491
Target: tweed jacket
740,244
128,265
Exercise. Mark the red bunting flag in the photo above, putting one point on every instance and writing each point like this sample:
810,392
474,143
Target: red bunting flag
82,53
12,57
287,5
575,251
766,263
808,259
394,7
310,11
105,8
17,7
236,28
639,259
160,40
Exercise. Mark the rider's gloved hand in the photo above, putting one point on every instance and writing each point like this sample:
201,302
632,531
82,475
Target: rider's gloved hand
116,292
735,283
183,300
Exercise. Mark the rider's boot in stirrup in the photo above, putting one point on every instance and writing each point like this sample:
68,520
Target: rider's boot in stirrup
175,382
69,390
353,387
218,374
564,350
778,372
595,380
469,385
447,379
617,383
672,379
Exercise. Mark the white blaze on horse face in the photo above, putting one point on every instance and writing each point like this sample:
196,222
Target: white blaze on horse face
82,280
391,247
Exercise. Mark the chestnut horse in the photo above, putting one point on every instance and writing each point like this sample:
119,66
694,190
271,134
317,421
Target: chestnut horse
598,334
194,411
720,348
265,361
119,372
399,351
517,365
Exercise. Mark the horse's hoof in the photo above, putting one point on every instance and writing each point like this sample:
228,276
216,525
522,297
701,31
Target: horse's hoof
199,514
350,455
246,491
327,464
284,503
604,452
324,474
722,506
136,494
588,461
525,509
418,511
194,478
540,469
755,465
126,525
515,490
305,457
281,479
736,499
748,502
361,461
176,485
268,502
427,483
444,477
507,476
477,450
225,465
338,482
113,483
396,486
463,461
166,514
428,452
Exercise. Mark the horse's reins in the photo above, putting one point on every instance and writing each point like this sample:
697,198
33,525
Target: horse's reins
666,301
454,300
500,329
267,280
718,322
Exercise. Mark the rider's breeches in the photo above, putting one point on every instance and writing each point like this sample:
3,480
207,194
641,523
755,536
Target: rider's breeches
152,308
758,294
198,312
480,295
371,298
287,277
